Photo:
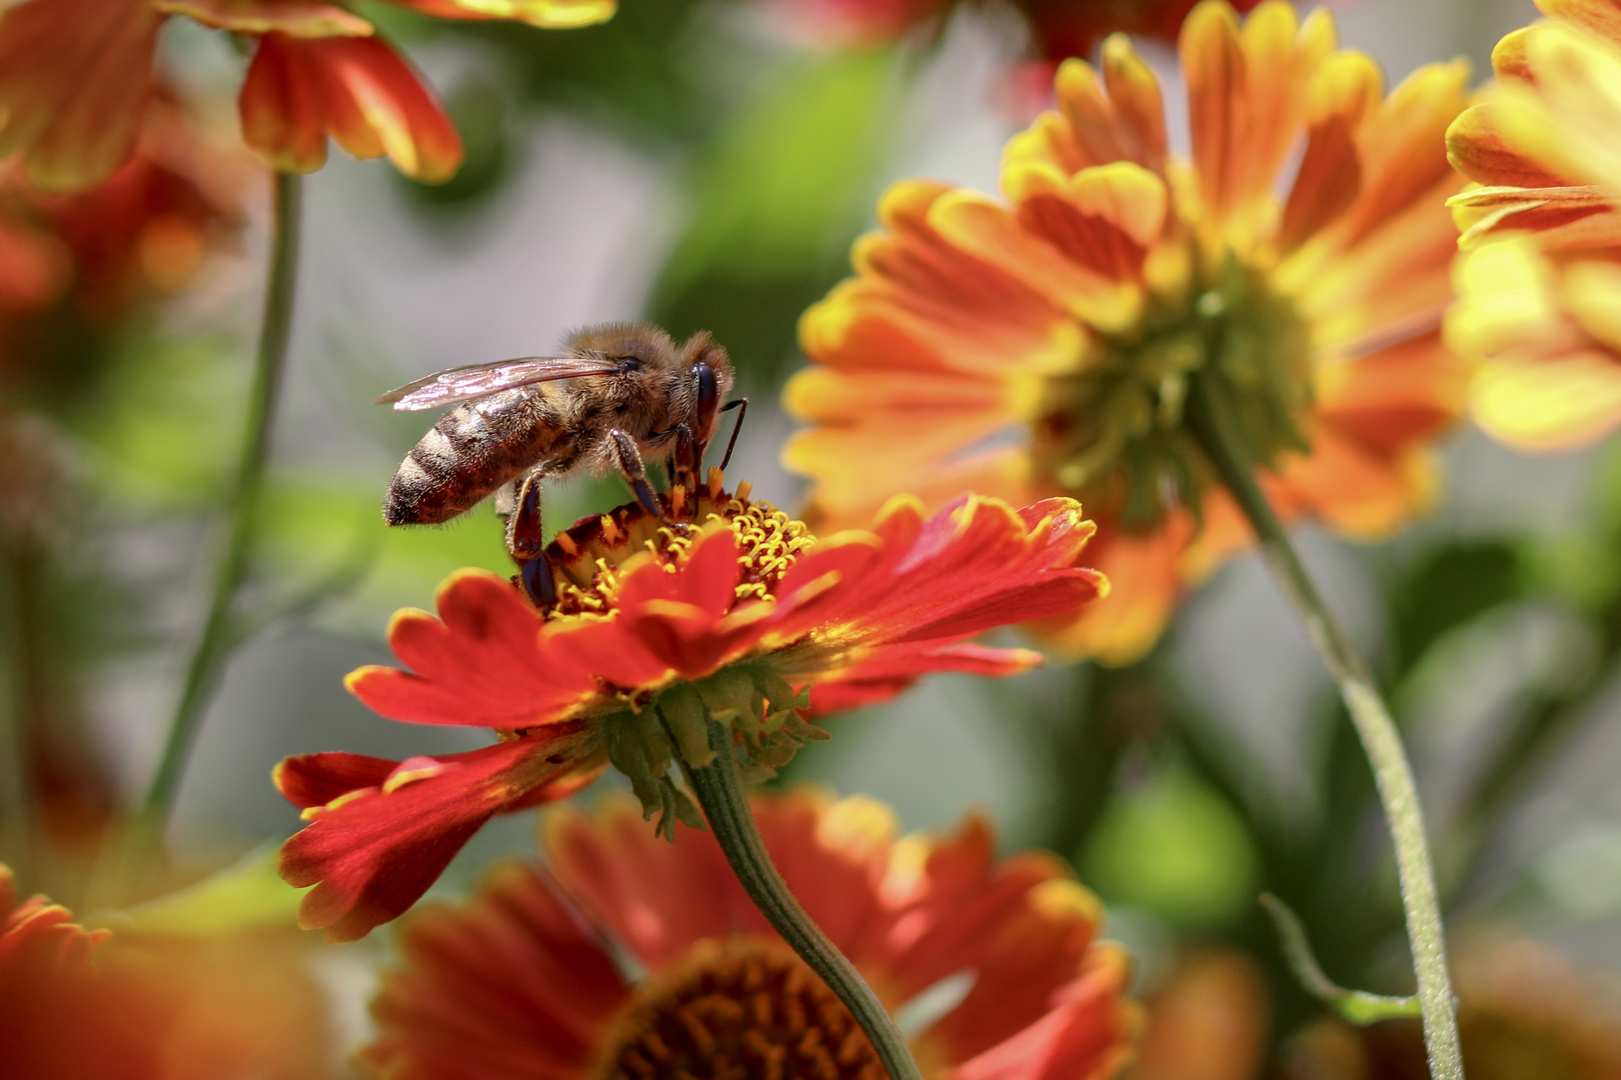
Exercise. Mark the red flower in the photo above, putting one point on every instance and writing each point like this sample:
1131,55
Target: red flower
656,631
76,77
359,91
516,983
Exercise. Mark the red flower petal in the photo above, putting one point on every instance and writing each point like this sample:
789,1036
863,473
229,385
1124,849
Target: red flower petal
75,77
513,983
376,847
482,663
881,673
356,89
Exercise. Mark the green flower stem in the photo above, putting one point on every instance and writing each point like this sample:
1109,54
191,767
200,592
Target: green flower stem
719,787
218,638
16,808
1211,421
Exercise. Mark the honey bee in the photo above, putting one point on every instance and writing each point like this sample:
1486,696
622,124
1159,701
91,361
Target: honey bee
620,395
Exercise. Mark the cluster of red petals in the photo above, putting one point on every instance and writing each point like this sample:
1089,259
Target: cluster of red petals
76,77
517,983
858,618
355,89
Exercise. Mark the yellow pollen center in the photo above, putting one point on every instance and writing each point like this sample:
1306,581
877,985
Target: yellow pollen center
588,557
744,1009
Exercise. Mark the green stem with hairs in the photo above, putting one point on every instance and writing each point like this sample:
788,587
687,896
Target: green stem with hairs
719,787
1211,422
218,637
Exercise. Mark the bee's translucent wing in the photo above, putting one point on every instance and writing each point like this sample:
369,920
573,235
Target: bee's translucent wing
479,380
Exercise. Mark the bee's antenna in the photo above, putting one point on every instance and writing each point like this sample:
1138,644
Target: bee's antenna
742,406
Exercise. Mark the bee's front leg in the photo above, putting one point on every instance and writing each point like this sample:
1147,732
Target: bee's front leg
635,473
526,542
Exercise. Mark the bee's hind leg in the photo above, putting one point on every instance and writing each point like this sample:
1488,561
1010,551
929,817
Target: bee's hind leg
635,473
526,542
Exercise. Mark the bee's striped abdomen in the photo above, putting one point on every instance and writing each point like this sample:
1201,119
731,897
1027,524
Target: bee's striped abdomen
471,451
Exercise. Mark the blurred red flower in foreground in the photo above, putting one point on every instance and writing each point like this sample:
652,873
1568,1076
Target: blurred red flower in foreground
658,631
78,1004
516,983
76,76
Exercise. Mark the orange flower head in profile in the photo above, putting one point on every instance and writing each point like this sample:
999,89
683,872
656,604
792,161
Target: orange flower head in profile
1047,343
995,960
76,77
737,615
1539,280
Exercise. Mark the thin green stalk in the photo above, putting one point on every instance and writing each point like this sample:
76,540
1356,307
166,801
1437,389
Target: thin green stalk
1212,425
719,787
216,640
16,809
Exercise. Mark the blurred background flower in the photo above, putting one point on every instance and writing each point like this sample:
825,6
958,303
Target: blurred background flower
626,956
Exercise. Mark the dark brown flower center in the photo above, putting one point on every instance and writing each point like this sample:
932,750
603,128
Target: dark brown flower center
745,1009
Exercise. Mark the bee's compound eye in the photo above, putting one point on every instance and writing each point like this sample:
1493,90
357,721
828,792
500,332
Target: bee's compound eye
708,393
629,364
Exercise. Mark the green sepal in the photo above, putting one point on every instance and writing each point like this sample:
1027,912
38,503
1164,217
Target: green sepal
688,721
731,696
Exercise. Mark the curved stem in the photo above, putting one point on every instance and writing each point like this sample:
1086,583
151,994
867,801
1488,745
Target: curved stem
719,787
1212,426
217,639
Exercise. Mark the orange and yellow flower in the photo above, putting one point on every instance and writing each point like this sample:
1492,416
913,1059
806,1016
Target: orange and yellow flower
1044,344
519,982
1539,282
742,617
76,77
80,1003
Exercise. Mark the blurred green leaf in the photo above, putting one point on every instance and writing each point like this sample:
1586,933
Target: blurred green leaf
779,198
248,895
1176,848
313,526
1446,588
164,423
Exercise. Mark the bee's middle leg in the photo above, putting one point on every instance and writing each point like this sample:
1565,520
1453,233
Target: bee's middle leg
635,473
526,542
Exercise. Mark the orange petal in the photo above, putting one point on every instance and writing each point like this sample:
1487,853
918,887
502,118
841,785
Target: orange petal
1213,62
1563,218
1477,148
296,18
75,76
547,14
283,116
1554,403
1135,97
1602,17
